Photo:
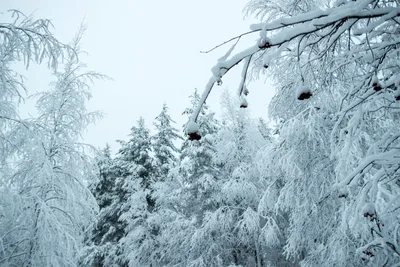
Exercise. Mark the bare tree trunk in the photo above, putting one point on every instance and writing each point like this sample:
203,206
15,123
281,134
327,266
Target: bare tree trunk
258,254
33,241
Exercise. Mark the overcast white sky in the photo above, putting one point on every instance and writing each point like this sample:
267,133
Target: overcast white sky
151,50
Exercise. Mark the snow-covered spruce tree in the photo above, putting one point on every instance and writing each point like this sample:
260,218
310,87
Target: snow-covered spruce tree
144,236
135,160
102,188
127,179
184,197
101,244
334,61
196,169
165,151
134,157
50,173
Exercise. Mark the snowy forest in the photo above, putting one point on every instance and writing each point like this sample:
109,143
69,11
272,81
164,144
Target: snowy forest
317,184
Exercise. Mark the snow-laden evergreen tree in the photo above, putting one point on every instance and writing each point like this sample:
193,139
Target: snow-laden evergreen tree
135,160
139,176
102,187
145,229
184,197
131,174
197,171
141,242
165,151
101,244
49,177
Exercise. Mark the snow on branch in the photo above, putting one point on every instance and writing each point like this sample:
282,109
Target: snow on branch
384,158
219,70
31,40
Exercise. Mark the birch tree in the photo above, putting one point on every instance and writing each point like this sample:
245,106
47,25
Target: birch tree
51,170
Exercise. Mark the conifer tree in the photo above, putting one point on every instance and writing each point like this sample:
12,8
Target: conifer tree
102,247
135,160
130,175
196,168
185,196
165,151
103,186
144,235
138,166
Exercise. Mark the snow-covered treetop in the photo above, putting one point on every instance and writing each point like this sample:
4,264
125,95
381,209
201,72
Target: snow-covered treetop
139,143
163,124
164,148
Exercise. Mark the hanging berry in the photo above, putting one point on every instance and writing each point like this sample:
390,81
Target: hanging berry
303,92
375,84
343,193
266,60
245,90
219,81
397,94
243,103
397,89
194,136
264,43
369,211
192,130
367,255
